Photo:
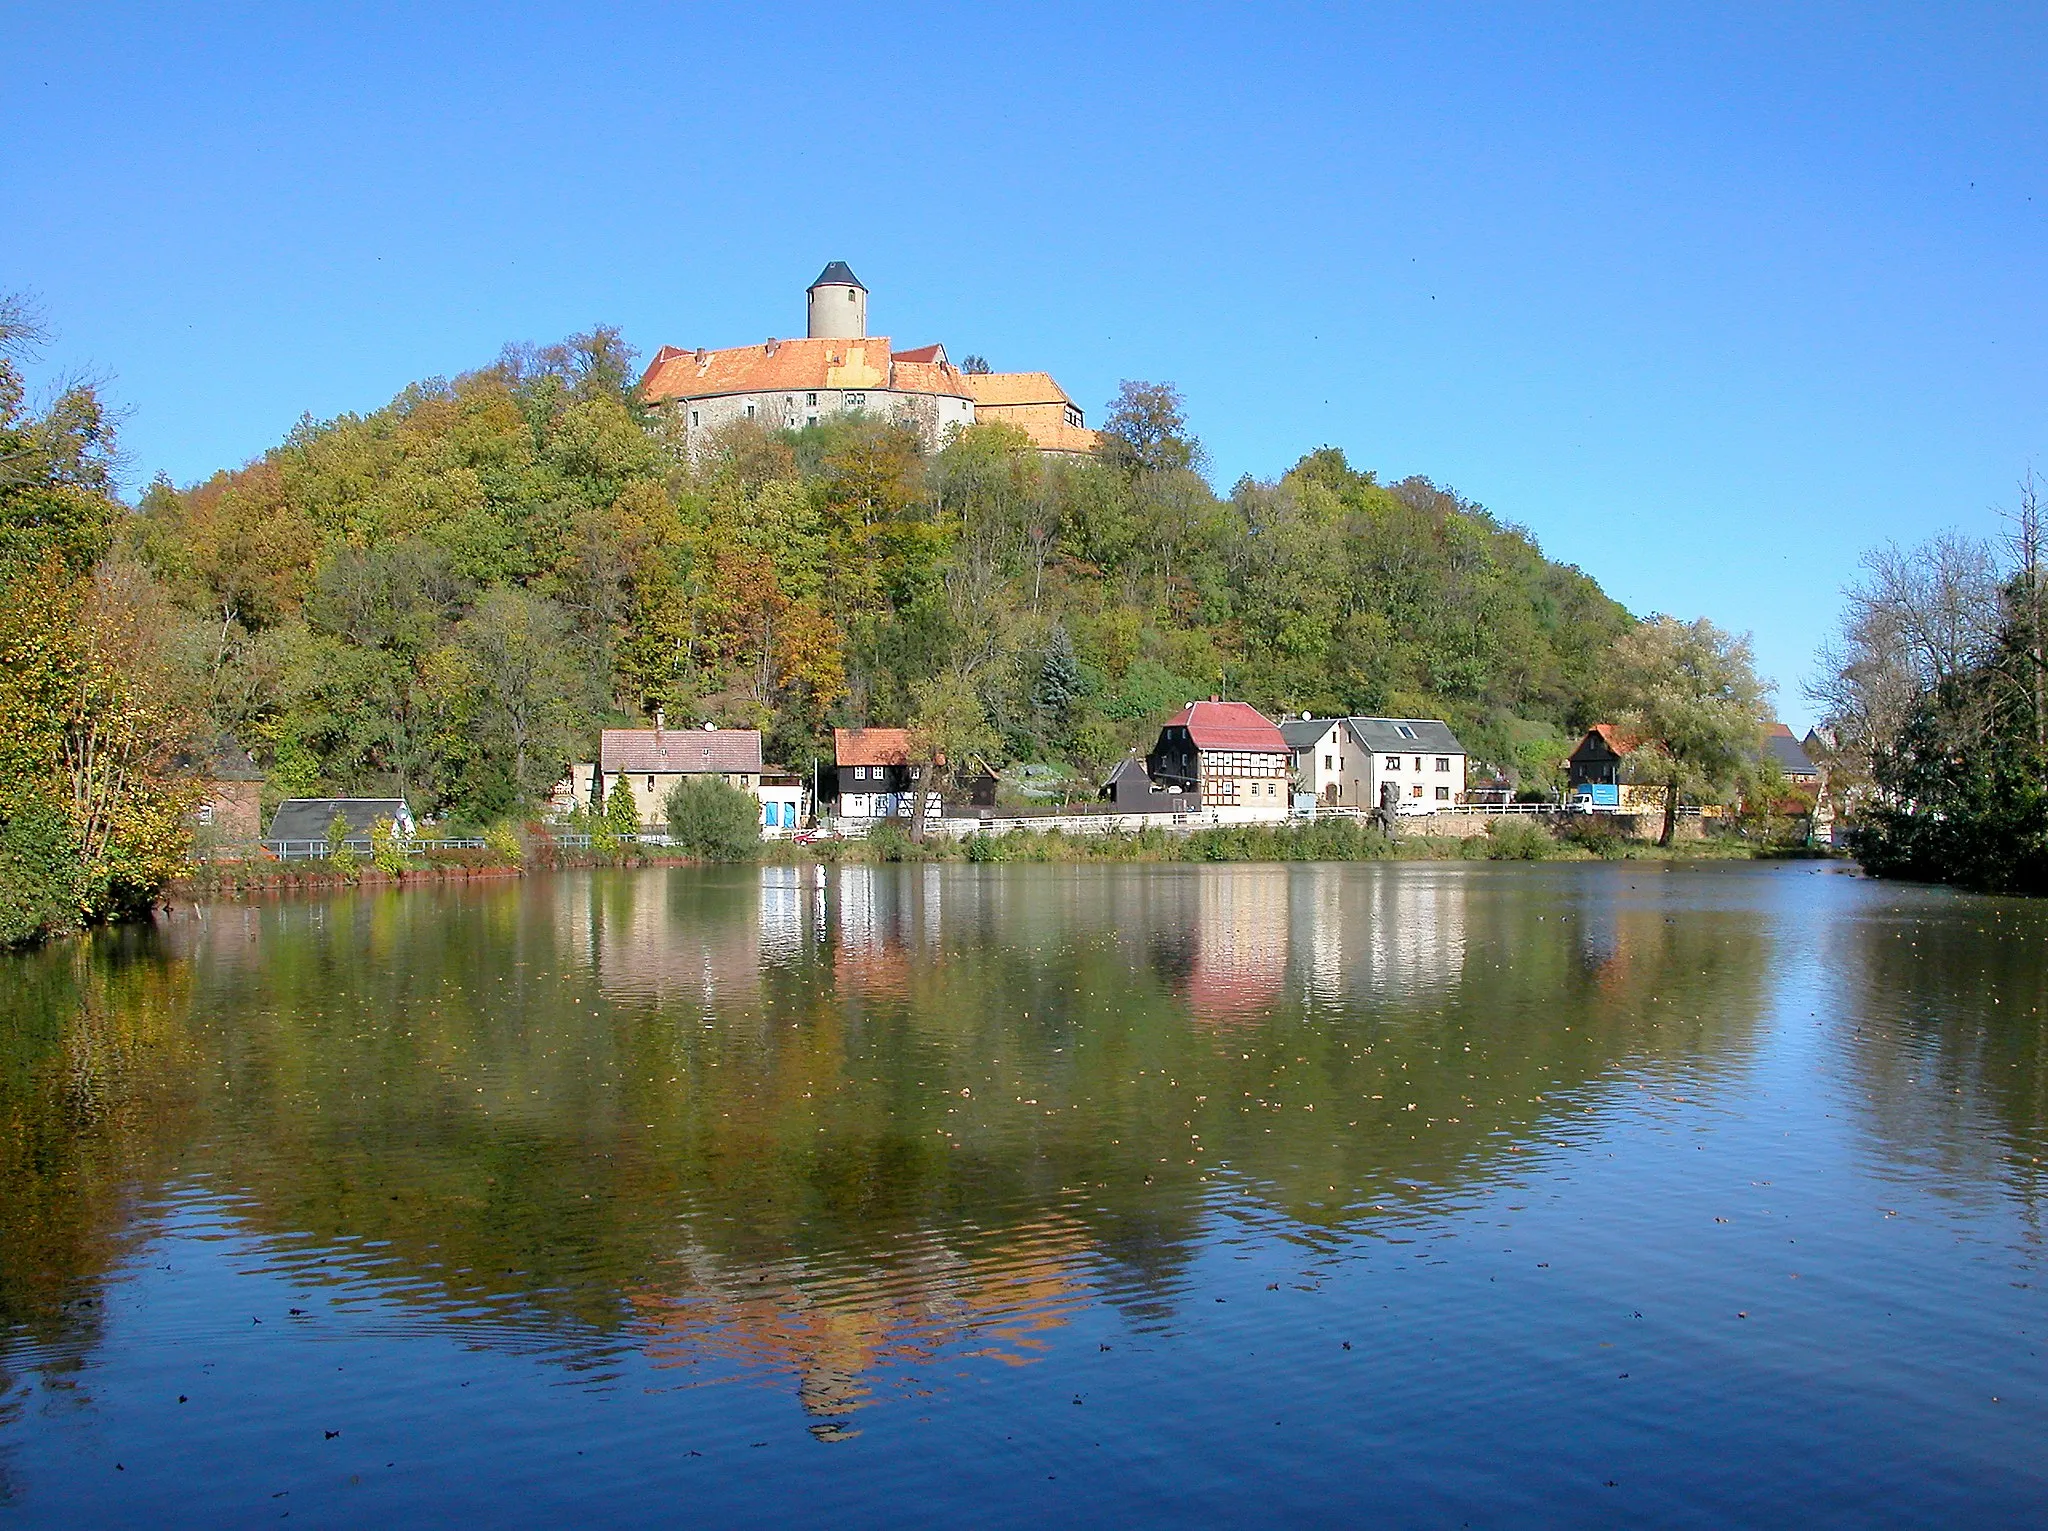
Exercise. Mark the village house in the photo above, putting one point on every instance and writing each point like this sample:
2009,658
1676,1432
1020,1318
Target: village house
653,760
874,774
1791,758
839,368
1594,770
230,807
1225,756
1416,764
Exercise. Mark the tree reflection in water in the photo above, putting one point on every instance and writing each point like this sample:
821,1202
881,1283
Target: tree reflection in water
830,1124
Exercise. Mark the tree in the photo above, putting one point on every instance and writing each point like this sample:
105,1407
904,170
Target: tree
1146,430
1690,694
511,666
948,726
708,817
622,809
1916,623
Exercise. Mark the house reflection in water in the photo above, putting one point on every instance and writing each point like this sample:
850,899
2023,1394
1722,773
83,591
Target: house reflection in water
836,1332
1329,932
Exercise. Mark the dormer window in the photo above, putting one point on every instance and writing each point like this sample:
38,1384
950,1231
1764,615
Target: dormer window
1404,730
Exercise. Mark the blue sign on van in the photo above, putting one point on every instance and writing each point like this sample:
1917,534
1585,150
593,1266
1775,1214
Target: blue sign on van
1599,794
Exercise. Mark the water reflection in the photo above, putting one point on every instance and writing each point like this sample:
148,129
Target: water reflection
830,1125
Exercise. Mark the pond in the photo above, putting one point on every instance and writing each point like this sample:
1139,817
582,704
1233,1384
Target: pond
1414,1194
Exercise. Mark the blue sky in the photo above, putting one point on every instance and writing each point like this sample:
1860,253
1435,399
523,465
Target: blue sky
1709,298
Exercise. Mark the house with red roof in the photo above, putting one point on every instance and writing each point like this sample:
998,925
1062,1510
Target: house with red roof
1593,773
1227,757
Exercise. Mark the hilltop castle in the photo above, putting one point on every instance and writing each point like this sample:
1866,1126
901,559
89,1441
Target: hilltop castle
838,366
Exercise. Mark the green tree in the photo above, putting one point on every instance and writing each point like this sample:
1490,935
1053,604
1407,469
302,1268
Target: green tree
947,729
622,809
1146,430
708,817
1690,694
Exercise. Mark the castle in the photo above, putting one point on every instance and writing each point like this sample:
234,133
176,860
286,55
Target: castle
838,366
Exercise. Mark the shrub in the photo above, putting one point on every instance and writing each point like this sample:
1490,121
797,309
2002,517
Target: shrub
42,885
339,856
502,840
1596,832
981,847
1517,840
888,841
385,848
710,819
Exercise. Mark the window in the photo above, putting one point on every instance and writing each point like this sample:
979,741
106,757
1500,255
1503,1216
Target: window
205,814
1404,730
750,411
650,784
1443,762
810,419
860,773
1393,762
849,295
693,417
1443,794
811,399
1416,790
1329,762
1418,762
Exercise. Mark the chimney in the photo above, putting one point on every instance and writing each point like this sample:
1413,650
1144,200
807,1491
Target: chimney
660,722
1215,698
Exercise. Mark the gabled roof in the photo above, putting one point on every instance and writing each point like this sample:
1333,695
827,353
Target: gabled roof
933,352
1300,733
1792,759
1228,726
871,746
837,274
307,818
1131,769
1384,736
786,366
716,750
999,389
1618,740
223,759
799,366
908,376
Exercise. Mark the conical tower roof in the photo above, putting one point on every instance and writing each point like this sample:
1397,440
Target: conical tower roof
838,274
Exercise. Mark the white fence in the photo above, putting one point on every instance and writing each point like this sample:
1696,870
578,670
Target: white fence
320,850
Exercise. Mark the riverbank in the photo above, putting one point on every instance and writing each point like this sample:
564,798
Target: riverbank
1330,840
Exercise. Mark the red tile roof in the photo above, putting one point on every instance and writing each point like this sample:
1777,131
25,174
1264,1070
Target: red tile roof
1618,739
786,366
871,746
933,352
1228,726
718,750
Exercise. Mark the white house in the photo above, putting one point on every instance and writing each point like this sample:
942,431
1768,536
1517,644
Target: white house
1348,761
653,760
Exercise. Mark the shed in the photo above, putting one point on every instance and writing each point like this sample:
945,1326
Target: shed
1130,790
300,819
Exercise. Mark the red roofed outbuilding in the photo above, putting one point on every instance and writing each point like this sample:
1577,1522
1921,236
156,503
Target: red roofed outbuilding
1228,756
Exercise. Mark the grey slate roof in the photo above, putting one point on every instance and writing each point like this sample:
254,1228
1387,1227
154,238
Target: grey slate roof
838,274
307,818
1384,736
1791,756
1130,769
1300,733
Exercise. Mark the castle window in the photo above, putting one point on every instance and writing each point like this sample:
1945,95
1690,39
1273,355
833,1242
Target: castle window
849,295
811,399
750,411
693,417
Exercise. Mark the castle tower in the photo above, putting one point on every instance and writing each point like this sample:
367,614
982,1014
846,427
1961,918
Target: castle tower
839,305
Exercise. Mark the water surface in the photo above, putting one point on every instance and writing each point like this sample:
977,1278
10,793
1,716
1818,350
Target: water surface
1419,1194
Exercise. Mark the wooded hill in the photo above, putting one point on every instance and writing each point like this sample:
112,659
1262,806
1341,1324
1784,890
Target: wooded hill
449,596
